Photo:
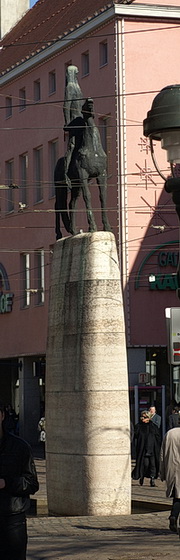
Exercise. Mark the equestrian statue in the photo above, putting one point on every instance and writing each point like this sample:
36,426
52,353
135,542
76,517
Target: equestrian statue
85,159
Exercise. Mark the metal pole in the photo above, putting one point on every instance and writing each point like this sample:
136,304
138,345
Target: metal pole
171,382
136,404
163,404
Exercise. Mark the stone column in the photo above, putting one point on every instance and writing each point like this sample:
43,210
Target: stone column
87,401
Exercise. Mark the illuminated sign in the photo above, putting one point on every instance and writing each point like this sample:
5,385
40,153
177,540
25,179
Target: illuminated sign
158,270
6,297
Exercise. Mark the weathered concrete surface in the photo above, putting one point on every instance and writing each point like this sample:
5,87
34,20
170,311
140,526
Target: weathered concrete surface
87,402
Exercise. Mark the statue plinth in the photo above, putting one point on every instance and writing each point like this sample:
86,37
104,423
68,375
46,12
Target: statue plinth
87,401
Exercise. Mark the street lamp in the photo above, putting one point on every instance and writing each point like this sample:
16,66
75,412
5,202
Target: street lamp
163,123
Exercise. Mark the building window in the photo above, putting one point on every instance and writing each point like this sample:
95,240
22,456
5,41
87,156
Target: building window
37,90
22,99
25,277
85,63
53,157
106,139
38,174
39,277
52,82
10,181
23,179
8,107
103,53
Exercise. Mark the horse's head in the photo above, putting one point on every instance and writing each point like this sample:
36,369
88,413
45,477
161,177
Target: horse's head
88,109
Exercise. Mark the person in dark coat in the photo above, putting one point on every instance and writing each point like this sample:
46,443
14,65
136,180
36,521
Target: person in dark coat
148,442
18,479
174,418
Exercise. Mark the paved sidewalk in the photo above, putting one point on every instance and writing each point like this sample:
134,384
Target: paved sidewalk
135,537
140,536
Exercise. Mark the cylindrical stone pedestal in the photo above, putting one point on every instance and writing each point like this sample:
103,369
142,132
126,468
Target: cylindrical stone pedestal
87,401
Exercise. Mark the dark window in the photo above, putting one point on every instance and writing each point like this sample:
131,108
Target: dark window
52,82
23,179
85,63
37,90
22,99
10,181
38,174
8,107
53,157
106,139
103,53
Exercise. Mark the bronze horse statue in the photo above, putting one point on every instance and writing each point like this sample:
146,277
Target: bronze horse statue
88,160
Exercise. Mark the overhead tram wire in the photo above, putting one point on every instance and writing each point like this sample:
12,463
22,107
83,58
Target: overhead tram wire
56,102
50,42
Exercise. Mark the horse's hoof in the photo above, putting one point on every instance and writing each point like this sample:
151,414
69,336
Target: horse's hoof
108,228
72,231
92,229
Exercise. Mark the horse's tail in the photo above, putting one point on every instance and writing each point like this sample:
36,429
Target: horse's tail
61,193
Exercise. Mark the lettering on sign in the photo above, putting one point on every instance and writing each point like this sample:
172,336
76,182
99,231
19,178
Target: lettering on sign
6,302
144,377
164,282
159,268
6,297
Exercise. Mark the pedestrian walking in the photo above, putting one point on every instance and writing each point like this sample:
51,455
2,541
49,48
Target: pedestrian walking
170,472
147,440
155,418
18,479
174,418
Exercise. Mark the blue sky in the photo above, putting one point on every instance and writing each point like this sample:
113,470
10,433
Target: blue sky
32,2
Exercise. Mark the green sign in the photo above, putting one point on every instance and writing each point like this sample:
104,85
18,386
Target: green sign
151,267
163,282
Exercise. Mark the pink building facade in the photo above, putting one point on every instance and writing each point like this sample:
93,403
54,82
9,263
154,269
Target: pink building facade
125,53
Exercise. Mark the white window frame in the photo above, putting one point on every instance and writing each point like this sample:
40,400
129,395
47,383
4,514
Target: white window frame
26,279
39,277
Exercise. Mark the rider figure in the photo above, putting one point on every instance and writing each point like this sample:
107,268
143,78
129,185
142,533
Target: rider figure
73,101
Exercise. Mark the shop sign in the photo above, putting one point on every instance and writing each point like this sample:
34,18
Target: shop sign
6,296
144,377
6,302
163,282
159,268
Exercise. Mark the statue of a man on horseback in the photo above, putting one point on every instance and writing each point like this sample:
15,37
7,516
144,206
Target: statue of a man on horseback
84,159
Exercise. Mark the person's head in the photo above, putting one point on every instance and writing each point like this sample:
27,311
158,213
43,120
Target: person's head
175,410
145,416
152,410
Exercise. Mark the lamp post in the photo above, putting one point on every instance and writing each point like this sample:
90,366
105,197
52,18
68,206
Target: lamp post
163,123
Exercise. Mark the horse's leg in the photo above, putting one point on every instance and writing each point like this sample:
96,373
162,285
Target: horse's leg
102,184
75,192
87,199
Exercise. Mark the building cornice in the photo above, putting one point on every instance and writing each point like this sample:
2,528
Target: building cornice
121,10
